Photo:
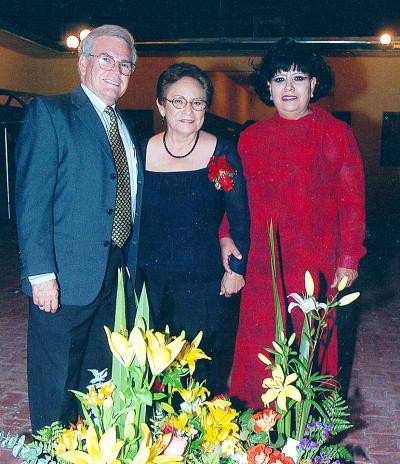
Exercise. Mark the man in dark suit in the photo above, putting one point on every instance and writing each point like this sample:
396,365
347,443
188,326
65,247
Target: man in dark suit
78,194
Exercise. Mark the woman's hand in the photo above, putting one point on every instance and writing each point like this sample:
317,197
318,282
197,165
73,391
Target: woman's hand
228,248
231,283
341,272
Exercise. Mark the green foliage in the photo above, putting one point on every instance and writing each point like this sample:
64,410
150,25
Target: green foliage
48,434
338,452
34,452
336,410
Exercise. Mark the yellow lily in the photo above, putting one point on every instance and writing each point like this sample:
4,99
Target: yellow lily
106,390
67,441
279,388
125,349
161,352
179,422
137,340
190,353
151,453
219,425
103,452
192,393
121,347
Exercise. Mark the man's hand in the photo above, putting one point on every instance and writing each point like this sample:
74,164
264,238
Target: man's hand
231,283
45,295
228,248
341,272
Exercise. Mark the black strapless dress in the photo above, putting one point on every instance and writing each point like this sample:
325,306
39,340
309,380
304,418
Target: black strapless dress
179,256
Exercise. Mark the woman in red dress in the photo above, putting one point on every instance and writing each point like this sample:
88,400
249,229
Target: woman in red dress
304,173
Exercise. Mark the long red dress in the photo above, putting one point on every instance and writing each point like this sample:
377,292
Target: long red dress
307,177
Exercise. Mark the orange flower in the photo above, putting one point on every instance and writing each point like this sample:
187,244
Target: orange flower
279,458
265,420
259,454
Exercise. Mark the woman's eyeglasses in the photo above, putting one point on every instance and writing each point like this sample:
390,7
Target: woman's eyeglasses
180,102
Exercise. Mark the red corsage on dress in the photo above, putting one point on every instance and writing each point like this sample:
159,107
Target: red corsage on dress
221,173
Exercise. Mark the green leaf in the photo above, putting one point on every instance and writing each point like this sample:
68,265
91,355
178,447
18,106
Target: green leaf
119,375
142,310
278,311
280,441
168,408
145,396
261,437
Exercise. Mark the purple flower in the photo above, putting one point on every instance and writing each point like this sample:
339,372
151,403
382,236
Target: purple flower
325,434
303,445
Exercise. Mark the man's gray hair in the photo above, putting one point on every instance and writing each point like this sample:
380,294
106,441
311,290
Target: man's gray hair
108,30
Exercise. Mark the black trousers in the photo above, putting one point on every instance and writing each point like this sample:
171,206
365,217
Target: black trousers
190,304
62,346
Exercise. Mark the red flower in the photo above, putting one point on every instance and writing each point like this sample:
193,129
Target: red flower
221,172
265,420
226,183
79,422
259,454
158,387
168,429
221,396
279,458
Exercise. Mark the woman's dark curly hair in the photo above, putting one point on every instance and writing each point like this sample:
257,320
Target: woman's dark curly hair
176,71
287,54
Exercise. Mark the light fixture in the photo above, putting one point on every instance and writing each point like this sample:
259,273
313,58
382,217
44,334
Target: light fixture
72,42
84,33
385,39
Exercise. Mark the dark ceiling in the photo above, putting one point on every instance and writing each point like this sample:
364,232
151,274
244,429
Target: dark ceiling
49,21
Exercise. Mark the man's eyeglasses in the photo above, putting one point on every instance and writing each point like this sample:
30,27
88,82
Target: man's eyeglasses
107,63
180,102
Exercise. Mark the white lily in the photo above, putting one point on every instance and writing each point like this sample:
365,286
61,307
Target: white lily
264,359
306,304
309,284
343,283
347,299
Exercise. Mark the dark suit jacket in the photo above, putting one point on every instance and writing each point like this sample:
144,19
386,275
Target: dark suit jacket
65,196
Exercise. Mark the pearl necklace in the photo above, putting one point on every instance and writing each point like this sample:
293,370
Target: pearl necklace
179,156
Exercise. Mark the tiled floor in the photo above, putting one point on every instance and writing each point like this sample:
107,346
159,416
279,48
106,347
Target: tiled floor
375,382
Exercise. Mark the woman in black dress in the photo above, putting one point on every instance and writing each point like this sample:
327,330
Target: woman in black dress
192,179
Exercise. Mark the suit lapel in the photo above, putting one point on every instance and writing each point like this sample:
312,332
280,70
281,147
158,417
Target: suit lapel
90,119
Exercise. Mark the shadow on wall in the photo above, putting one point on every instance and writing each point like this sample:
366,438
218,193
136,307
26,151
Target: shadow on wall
377,269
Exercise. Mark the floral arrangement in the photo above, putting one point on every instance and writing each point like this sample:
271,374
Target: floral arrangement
221,173
154,411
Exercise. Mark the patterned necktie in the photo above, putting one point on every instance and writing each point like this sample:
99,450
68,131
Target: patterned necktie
122,214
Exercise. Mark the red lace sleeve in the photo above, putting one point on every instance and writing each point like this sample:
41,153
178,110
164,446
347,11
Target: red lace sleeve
351,204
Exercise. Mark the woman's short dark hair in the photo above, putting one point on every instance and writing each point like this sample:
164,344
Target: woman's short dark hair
285,55
176,71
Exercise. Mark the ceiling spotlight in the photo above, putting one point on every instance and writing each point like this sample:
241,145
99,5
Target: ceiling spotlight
83,34
385,39
72,41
